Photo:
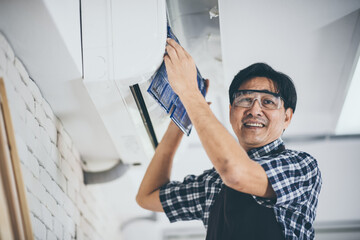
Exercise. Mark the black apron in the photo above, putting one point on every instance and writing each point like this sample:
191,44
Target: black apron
237,216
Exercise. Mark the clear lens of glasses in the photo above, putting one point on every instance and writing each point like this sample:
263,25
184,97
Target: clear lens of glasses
246,98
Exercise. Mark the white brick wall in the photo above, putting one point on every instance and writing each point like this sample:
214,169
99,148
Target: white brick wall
60,205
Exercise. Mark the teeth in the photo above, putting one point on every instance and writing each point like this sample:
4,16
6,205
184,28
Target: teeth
254,124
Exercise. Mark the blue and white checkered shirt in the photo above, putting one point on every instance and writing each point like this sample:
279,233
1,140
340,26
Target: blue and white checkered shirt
294,176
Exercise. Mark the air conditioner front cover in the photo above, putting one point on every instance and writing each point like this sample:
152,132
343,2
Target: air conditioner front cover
123,44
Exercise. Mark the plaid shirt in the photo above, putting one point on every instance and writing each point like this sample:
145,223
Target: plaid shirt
294,176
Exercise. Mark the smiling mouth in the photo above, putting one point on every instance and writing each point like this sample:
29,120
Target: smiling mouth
250,125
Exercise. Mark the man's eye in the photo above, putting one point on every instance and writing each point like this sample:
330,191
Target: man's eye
268,102
246,100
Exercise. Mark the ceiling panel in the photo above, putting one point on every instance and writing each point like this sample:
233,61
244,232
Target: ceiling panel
312,42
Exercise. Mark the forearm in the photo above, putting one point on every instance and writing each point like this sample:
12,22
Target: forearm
229,158
224,151
159,169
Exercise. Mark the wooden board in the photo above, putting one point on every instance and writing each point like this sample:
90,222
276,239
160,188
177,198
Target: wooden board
11,178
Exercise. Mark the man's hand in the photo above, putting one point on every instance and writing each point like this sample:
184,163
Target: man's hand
180,68
182,77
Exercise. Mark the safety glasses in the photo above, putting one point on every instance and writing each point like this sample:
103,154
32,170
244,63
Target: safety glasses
267,100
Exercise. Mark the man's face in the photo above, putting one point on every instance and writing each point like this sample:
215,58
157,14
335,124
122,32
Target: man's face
254,126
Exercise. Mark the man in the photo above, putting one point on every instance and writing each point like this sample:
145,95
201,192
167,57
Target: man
257,188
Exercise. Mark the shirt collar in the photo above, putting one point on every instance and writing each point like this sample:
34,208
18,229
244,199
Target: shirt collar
266,149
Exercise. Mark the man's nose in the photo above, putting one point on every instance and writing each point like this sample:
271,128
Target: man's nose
255,109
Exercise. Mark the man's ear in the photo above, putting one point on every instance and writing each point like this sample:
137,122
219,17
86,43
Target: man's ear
230,112
288,117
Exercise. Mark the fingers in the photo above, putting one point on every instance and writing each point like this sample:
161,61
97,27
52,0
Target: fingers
175,48
171,52
168,63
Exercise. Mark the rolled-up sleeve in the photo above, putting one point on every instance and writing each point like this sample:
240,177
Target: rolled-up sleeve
184,200
295,179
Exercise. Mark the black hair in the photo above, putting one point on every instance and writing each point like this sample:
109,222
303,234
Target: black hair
283,84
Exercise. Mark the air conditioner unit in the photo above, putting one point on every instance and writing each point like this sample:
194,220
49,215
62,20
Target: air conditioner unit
123,46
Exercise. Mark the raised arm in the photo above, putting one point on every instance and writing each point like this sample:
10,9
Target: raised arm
159,170
230,160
